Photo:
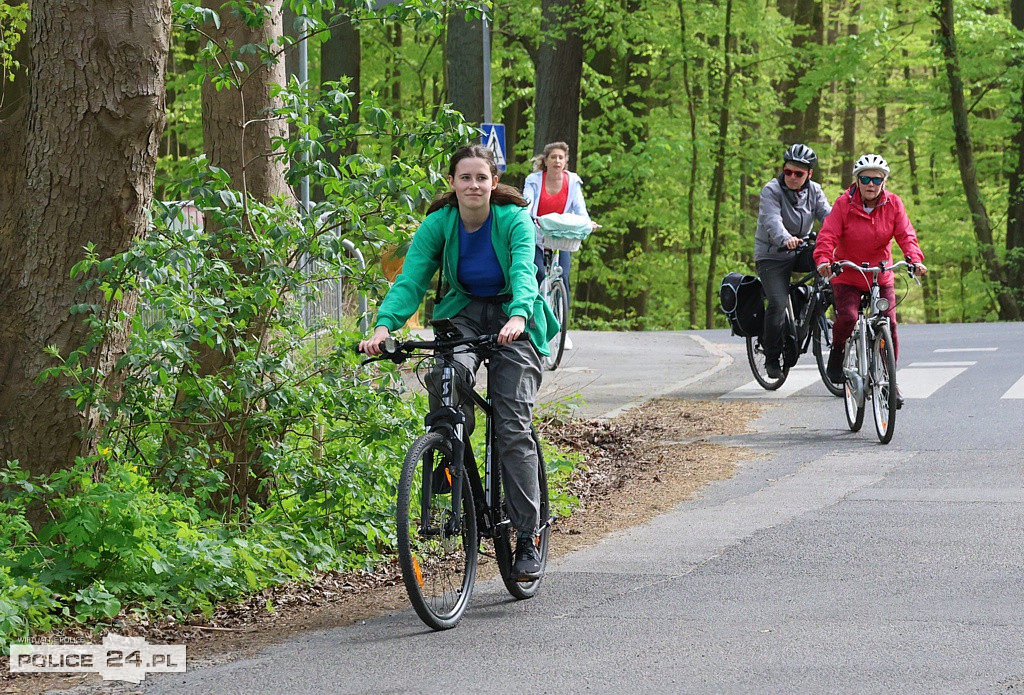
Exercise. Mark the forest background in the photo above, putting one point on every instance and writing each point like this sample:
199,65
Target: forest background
179,428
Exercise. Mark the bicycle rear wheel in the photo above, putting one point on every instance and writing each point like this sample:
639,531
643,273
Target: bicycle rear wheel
853,388
883,385
436,551
559,301
756,359
503,537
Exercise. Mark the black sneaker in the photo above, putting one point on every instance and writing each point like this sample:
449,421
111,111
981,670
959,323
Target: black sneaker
773,369
834,367
526,567
899,398
835,374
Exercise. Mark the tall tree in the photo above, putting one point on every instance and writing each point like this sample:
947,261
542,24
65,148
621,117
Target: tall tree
718,180
464,65
1015,197
77,161
1009,309
240,136
559,70
798,121
341,57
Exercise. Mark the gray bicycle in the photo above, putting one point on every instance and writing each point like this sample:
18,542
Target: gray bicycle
869,364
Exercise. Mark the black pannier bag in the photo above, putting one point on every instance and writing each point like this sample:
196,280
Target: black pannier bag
743,303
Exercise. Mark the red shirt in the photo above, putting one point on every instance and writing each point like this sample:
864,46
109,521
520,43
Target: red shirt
552,203
849,233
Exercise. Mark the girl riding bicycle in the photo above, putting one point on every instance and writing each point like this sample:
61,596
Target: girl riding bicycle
861,228
481,236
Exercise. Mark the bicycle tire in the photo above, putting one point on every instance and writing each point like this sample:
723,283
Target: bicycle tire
821,345
853,403
503,536
756,360
558,299
883,389
438,567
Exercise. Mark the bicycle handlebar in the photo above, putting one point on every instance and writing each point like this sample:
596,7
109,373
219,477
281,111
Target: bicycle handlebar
875,270
398,351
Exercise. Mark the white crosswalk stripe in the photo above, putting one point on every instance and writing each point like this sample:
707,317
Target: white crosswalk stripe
916,380
922,379
799,377
1017,390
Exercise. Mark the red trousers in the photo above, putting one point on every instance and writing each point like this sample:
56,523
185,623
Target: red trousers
847,306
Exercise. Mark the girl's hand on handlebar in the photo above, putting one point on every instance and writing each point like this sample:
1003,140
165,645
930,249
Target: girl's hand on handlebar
825,270
792,242
511,330
371,346
920,269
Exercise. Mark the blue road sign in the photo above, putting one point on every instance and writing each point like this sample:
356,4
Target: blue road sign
493,137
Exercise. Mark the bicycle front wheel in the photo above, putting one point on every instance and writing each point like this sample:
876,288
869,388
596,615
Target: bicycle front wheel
559,301
503,537
853,388
883,385
437,548
756,359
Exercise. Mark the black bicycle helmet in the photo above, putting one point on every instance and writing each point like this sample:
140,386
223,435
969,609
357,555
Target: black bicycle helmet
801,154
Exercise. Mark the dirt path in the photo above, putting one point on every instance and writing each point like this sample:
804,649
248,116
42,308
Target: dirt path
637,466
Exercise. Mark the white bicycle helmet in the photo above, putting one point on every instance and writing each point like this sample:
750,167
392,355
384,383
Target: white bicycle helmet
870,161
801,154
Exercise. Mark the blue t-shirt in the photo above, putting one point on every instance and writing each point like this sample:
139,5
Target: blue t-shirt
479,271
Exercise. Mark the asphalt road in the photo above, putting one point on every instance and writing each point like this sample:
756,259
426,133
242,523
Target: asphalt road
830,564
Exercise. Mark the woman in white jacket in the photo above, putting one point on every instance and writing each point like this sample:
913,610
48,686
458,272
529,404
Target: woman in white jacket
553,189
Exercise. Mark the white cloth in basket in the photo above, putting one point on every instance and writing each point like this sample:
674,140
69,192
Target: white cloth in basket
565,224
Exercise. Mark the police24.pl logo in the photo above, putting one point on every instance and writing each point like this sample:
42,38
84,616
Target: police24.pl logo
119,658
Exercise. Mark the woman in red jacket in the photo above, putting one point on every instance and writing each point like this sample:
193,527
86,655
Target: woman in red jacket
860,229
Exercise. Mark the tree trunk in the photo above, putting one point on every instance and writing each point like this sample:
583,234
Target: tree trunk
1015,199
238,139
849,154
77,163
694,243
800,125
718,180
1009,309
464,60
559,70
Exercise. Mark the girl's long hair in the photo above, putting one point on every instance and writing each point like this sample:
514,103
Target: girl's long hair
501,195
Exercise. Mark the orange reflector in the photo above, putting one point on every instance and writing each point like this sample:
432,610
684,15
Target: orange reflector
418,571
448,474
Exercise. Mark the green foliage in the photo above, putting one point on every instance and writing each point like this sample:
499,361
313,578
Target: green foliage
13,22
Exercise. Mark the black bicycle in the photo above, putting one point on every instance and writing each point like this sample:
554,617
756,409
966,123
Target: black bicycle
809,316
445,509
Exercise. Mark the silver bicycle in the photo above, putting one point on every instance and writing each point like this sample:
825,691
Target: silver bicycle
869,364
552,289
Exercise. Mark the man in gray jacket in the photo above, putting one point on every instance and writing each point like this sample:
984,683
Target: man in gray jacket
789,205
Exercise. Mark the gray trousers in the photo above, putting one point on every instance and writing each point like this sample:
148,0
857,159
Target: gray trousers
512,381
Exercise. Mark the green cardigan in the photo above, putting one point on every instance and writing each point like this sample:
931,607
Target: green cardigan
513,235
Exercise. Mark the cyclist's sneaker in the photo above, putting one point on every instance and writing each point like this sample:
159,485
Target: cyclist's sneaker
526,567
899,398
568,343
772,368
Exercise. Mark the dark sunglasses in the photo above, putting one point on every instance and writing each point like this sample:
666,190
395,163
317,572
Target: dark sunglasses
794,172
877,180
